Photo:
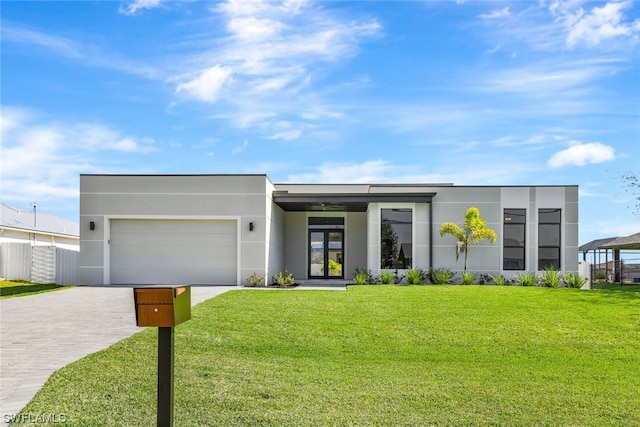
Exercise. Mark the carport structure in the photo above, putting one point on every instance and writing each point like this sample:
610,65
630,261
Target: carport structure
629,243
619,270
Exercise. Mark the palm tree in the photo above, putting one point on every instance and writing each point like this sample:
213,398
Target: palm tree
474,229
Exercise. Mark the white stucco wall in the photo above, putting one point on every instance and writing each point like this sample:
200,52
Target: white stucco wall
36,238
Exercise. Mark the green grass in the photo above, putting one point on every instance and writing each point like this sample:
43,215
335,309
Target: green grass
375,355
616,287
10,289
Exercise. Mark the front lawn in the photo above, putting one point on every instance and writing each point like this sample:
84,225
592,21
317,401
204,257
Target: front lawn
375,355
10,288
627,287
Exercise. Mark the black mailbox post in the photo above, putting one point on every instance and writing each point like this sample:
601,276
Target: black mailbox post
164,308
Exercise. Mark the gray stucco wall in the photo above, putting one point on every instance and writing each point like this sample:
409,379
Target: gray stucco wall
355,243
275,240
279,239
450,205
239,197
295,244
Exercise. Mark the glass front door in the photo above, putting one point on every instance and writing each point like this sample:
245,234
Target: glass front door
326,254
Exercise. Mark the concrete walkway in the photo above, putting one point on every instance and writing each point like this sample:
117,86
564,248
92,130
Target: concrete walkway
40,334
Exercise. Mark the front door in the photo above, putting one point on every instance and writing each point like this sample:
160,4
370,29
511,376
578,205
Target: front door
326,254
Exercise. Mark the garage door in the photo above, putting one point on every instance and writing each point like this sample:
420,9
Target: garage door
173,252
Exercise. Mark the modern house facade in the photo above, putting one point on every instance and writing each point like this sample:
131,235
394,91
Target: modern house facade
220,229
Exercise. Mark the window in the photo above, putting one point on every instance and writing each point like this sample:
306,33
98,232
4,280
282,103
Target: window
548,238
513,241
395,238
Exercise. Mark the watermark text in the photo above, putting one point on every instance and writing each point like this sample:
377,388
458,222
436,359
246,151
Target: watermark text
34,418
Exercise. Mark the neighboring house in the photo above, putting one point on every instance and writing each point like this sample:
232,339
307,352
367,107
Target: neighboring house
219,229
37,247
37,228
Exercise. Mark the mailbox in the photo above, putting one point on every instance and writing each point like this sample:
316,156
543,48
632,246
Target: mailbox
163,307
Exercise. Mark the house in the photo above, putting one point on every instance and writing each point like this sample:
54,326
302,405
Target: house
37,247
220,229
37,228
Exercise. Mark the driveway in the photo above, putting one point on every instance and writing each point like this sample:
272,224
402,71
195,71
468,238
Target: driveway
43,333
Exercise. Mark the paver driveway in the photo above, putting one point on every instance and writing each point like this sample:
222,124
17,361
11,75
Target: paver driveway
40,334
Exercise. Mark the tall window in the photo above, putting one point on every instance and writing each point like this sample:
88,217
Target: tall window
548,238
395,238
513,241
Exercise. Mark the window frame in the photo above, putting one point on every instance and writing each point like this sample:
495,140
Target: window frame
405,208
557,223
507,223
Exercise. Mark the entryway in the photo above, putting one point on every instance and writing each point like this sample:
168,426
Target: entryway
326,254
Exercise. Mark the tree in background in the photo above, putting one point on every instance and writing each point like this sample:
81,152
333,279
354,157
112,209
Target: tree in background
474,229
389,240
632,182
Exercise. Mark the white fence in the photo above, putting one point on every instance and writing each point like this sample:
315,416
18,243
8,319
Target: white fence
584,270
38,264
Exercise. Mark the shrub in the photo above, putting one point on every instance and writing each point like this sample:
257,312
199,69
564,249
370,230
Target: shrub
550,277
415,276
499,280
386,277
284,278
468,278
362,276
601,275
573,280
335,268
483,279
440,276
255,280
397,277
526,279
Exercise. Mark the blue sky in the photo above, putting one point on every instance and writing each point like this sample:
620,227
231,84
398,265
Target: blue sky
469,92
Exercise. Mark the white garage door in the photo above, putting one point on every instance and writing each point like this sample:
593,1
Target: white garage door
195,252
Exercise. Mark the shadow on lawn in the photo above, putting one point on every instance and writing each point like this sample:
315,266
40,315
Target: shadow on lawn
12,291
617,292
615,287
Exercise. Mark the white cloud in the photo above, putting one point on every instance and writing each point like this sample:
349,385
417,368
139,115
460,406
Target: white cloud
240,148
87,54
98,137
207,86
275,50
136,5
252,28
368,172
243,7
382,171
496,14
599,24
543,80
287,135
10,118
60,45
618,226
42,160
579,154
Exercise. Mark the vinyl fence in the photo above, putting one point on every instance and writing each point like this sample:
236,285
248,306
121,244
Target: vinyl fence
38,264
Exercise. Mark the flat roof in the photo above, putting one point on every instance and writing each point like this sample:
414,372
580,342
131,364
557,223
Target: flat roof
343,202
